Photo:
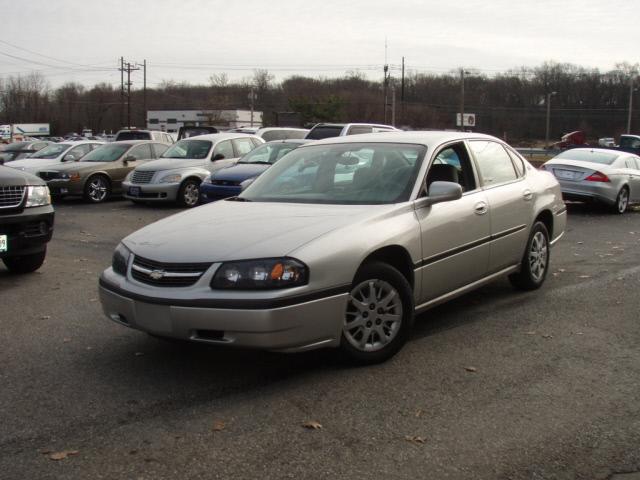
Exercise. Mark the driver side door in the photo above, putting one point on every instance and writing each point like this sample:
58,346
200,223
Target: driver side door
455,235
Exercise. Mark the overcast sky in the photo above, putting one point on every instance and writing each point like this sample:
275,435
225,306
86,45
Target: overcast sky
188,40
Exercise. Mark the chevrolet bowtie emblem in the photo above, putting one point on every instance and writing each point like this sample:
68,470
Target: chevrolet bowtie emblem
157,274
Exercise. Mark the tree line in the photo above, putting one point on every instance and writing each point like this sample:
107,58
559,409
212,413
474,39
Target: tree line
511,105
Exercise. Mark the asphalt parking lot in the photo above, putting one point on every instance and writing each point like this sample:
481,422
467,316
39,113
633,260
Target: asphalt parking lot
496,384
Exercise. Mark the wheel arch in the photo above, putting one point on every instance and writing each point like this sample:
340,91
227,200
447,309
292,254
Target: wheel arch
397,257
546,217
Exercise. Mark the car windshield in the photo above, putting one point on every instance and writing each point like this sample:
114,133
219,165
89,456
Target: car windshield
268,153
270,135
353,173
605,158
106,153
189,149
52,151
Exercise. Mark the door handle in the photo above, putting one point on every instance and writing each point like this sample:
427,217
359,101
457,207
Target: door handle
527,195
480,208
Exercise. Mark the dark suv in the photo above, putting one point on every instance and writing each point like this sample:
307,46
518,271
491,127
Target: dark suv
26,220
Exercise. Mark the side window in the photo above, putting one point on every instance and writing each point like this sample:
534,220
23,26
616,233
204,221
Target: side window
93,146
452,164
141,152
631,163
493,161
224,148
159,148
242,146
358,129
80,151
517,162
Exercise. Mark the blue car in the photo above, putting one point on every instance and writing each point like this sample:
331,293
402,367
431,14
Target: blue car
228,182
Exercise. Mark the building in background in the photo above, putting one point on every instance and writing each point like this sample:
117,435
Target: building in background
172,120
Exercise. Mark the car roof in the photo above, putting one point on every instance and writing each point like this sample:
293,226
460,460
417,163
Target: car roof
132,142
300,141
618,153
427,138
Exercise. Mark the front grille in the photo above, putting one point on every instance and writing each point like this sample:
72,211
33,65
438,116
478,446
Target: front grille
167,274
141,176
225,183
11,197
49,175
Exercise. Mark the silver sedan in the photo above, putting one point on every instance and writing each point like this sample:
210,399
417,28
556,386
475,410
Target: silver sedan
340,244
594,174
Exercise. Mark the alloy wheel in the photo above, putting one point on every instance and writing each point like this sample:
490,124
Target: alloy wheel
374,315
191,194
538,256
623,200
97,189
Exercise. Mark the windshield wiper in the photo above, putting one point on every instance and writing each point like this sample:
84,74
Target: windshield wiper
238,199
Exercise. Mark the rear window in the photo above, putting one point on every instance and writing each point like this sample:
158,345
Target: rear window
133,135
604,158
324,131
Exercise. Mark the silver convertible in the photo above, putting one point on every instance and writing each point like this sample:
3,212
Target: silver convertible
340,244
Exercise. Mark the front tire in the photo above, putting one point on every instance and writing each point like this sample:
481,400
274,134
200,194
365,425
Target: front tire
189,193
622,201
97,189
535,261
378,316
25,263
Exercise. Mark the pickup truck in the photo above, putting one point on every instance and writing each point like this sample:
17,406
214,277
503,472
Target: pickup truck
629,143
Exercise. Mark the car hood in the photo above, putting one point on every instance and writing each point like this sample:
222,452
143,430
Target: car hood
10,177
228,230
240,172
78,166
171,164
34,164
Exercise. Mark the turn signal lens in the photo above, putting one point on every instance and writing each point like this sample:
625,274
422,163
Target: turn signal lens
597,177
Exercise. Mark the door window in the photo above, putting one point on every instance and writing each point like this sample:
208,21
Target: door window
358,129
452,164
159,148
141,152
224,148
242,146
493,162
80,151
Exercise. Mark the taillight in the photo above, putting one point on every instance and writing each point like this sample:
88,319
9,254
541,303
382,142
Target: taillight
597,177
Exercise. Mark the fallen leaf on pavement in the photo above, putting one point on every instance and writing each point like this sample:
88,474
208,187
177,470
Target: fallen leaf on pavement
45,317
414,439
531,333
419,413
584,276
62,455
312,425
139,354
471,369
547,336
218,426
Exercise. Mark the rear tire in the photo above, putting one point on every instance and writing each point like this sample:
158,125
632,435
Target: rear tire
25,263
189,193
622,201
535,261
379,314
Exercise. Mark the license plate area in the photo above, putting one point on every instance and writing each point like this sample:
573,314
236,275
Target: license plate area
564,174
134,191
4,243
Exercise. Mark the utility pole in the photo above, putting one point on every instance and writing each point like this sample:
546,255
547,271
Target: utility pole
462,99
630,103
546,136
393,106
144,94
402,111
121,91
252,98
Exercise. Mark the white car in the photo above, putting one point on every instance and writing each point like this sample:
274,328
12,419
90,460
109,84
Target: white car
55,154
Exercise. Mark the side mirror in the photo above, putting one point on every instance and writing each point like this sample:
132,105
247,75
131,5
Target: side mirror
443,192
70,157
128,158
217,156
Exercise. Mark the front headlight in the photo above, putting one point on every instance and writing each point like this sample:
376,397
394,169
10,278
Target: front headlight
120,259
173,178
261,274
38,196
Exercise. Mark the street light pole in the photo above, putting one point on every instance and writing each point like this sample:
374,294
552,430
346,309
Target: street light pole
462,99
630,104
546,136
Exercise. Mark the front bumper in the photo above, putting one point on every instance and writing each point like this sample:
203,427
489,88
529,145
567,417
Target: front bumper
151,192
303,323
27,230
59,187
211,193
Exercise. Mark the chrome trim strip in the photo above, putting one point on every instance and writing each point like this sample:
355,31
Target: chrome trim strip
148,271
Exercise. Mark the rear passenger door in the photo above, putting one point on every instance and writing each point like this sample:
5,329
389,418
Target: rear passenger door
510,201
225,149
633,167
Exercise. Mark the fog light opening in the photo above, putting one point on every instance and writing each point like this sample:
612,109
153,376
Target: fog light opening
117,317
